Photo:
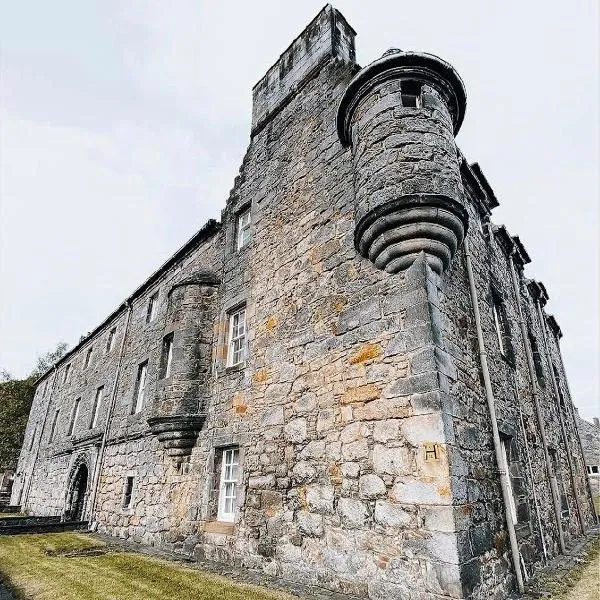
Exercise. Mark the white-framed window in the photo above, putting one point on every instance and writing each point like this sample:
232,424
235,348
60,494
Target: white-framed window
511,495
236,350
128,492
167,356
228,484
140,387
88,357
54,423
110,340
242,228
67,374
152,307
96,406
74,415
594,469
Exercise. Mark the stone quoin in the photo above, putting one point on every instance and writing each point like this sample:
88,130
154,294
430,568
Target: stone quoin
348,381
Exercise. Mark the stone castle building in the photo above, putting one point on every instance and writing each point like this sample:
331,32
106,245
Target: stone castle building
348,381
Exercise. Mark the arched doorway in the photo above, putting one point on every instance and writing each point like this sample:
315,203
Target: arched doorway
78,494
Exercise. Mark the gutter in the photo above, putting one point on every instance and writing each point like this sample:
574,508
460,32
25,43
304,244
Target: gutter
536,404
502,466
100,457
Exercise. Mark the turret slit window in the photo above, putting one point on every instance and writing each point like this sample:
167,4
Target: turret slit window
45,388
110,340
237,338
140,387
88,357
228,484
128,492
166,356
96,407
411,94
53,427
74,415
242,230
152,308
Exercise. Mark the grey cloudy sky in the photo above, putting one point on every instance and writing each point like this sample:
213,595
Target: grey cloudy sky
123,124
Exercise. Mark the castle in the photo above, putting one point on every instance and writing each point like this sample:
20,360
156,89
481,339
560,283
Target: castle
348,381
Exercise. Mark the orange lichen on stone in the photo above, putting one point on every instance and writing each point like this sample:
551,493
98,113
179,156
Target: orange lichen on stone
241,409
302,496
361,393
366,352
444,490
260,376
271,323
335,474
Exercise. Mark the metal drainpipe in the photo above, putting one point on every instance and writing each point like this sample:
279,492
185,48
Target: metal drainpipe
560,416
100,458
502,467
37,450
572,413
536,404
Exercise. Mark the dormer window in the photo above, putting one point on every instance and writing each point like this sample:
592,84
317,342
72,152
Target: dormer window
243,232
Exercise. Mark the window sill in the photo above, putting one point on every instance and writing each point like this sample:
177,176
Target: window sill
234,368
223,527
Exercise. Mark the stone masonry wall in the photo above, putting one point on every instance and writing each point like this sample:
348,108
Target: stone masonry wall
366,458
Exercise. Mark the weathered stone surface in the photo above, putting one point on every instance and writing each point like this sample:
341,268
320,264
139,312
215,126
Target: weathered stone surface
365,458
371,487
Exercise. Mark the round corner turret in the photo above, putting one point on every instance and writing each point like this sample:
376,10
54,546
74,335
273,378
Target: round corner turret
400,115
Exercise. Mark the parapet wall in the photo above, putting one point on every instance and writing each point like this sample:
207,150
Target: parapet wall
327,36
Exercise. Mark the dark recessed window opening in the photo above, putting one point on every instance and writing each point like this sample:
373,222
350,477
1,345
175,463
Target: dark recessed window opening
411,94
128,492
166,358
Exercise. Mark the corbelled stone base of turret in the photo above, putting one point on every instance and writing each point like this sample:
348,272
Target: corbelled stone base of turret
392,235
178,434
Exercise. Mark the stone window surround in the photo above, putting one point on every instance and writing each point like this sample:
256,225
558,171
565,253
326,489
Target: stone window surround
139,390
110,340
74,416
501,323
152,307
220,443
239,245
66,374
96,406
231,307
166,355
54,424
87,361
230,460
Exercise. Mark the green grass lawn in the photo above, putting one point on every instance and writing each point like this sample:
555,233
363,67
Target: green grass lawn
55,566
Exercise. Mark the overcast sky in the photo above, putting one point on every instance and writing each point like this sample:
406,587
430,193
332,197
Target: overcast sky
123,124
